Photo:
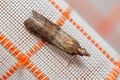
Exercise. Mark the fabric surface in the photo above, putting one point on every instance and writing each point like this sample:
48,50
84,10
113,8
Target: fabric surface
23,56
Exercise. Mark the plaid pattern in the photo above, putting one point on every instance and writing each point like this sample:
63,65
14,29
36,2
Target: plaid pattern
24,56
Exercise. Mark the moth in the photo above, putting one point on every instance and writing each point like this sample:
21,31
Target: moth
54,35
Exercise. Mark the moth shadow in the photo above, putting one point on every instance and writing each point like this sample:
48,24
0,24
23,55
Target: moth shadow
76,61
71,60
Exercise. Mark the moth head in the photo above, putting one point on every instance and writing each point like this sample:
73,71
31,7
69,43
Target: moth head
31,25
35,23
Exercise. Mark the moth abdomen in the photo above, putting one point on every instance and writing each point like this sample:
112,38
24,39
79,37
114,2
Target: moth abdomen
50,32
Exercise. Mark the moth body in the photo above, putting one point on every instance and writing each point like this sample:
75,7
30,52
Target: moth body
50,32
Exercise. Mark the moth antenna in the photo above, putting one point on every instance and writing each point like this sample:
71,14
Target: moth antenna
83,52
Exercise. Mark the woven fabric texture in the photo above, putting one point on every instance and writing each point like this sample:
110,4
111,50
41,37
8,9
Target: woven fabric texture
25,57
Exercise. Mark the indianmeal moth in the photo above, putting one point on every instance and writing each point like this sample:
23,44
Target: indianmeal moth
54,35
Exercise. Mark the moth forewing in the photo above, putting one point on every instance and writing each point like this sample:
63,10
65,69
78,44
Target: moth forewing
50,32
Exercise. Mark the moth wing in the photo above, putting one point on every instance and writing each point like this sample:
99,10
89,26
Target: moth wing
72,49
38,17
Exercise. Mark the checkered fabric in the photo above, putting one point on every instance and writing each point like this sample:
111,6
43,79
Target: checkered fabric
25,57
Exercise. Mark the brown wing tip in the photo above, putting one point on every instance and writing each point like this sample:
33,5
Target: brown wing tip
34,13
83,52
87,54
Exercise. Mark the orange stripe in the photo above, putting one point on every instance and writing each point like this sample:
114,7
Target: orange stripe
35,71
10,72
35,48
45,78
7,44
109,78
64,17
65,14
60,21
85,34
4,41
13,49
22,59
117,63
113,74
93,41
